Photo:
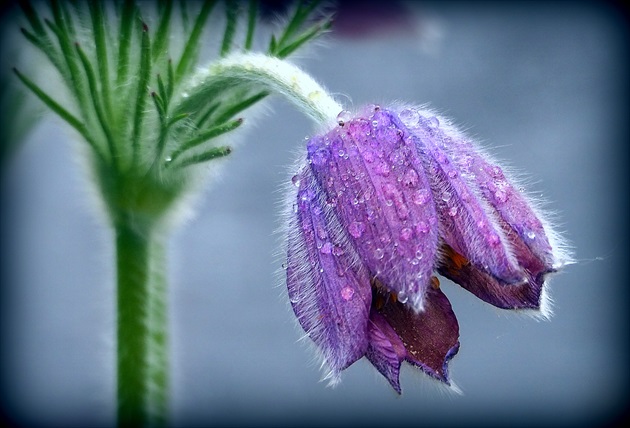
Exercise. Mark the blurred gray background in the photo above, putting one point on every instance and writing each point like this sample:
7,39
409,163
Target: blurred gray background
544,86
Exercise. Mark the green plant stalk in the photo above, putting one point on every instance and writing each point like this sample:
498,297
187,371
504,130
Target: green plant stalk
142,356
139,189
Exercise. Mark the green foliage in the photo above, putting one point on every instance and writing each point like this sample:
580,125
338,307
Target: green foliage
123,69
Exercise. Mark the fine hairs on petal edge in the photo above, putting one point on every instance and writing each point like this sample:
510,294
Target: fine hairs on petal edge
561,250
285,207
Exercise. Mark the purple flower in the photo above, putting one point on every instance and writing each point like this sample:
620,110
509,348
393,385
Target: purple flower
385,201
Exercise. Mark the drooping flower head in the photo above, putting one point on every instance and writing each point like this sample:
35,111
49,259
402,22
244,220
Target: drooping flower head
385,201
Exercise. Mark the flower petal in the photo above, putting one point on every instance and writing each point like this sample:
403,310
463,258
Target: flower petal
431,338
509,203
385,350
329,293
467,223
373,176
527,295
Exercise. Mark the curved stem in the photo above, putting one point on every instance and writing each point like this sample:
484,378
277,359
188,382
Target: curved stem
270,73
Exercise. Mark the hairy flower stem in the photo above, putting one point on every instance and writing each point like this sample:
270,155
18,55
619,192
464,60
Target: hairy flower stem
142,358
265,73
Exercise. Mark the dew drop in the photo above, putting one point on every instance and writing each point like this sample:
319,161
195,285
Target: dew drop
347,293
168,159
433,122
337,251
531,234
321,232
414,261
402,297
441,158
406,233
500,195
296,180
343,117
368,155
409,117
375,123
185,94
382,169
410,178
319,157
493,239
379,253
421,197
452,211
356,229
423,227
497,172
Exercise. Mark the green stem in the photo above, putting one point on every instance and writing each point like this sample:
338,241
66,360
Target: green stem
142,325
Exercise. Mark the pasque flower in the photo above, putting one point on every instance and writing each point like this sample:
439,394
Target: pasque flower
385,201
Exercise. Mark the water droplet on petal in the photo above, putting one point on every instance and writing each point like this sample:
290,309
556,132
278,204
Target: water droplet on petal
356,229
168,159
422,227
337,251
421,197
452,211
379,253
319,157
347,293
382,168
531,234
500,195
321,232
343,117
406,233
409,117
493,239
402,297
410,178
368,155
326,248
296,180
433,122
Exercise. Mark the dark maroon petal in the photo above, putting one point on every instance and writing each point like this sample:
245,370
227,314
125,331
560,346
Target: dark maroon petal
372,175
329,292
385,350
527,295
431,337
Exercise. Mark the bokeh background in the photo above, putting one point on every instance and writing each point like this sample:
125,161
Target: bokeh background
543,85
